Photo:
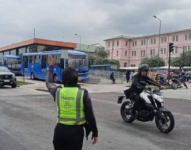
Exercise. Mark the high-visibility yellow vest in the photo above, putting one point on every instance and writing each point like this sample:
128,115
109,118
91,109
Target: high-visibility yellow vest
70,106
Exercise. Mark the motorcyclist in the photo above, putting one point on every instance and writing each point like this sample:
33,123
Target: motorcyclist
138,86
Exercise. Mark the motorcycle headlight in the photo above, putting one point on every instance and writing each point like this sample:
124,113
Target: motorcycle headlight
160,98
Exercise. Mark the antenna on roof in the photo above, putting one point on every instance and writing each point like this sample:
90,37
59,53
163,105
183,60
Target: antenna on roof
34,34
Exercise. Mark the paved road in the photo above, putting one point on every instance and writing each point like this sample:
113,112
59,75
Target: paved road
28,121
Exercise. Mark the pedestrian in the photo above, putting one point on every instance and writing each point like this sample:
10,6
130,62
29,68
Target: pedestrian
112,77
74,111
152,74
127,76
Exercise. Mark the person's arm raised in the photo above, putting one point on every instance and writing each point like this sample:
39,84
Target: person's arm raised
49,78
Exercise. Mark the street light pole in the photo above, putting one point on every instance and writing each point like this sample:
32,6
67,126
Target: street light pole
80,40
159,40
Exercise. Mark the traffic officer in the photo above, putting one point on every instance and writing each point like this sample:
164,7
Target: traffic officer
74,111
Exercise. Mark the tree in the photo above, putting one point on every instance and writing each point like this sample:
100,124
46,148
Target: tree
153,61
102,61
100,51
91,60
99,61
177,62
186,58
183,60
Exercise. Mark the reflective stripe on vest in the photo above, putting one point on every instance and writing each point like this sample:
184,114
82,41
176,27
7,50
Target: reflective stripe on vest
78,118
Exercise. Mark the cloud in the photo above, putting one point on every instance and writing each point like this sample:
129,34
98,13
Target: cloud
94,20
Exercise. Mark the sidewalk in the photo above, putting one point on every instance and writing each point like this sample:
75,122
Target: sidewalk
92,88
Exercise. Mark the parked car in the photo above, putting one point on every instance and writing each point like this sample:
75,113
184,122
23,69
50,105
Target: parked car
7,77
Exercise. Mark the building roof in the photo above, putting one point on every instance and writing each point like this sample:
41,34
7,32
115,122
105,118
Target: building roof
39,41
144,36
88,48
119,37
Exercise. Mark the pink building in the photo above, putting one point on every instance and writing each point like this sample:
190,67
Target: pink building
130,50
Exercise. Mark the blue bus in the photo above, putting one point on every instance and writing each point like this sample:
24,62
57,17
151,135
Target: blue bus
36,65
12,62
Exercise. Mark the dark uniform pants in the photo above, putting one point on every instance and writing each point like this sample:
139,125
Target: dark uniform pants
138,102
68,137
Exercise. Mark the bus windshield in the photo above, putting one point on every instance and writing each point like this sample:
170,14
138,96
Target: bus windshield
75,63
14,63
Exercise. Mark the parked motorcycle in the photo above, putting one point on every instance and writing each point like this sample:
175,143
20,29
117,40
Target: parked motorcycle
153,107
169,83
179,81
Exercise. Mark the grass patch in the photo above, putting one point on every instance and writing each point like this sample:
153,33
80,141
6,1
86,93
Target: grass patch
21,83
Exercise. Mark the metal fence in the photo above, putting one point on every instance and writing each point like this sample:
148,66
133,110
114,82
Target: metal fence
106,74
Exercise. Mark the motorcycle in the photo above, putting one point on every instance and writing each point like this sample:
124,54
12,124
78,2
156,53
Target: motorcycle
171,83
179,81
153,107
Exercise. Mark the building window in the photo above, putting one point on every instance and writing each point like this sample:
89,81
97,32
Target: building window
117,43
125,64
184,48
188,48
164,50
165,39
189,36
126,43
143,42
108,44
176,50
133,65
13,52
162,40
186,36
175,38
142,53
125,53
6,53
134,43
113,43
161,50
152,52
151,41
21,50
133,53
117,53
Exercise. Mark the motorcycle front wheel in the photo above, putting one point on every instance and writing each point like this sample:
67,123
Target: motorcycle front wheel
165,123
126,112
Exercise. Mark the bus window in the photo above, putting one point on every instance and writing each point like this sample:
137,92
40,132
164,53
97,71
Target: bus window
62,63
31,58
44,61
25,58
1,61
57,60
36,59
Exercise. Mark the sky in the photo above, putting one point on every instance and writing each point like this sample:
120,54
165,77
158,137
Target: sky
93,20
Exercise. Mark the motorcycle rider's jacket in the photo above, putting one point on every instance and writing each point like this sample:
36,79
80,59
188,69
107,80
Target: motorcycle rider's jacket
138,87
